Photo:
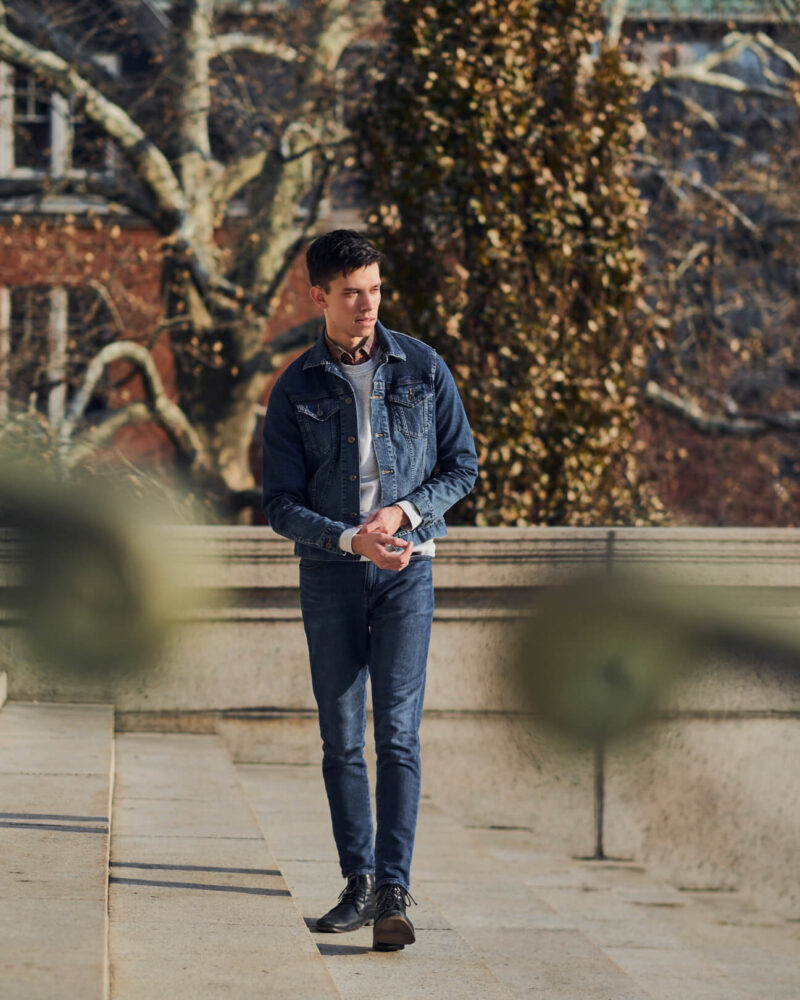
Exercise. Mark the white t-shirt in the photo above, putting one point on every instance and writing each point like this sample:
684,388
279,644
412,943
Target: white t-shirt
361,378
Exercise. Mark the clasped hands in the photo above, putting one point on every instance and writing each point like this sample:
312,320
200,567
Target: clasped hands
376,539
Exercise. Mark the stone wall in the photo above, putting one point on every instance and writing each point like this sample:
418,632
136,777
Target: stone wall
705,795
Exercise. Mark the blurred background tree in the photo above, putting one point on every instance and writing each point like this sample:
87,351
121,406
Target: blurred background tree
497,152
718,165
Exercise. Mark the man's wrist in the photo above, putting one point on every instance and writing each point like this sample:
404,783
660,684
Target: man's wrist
404,518
411,515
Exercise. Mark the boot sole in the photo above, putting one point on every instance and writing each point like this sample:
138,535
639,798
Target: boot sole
393,934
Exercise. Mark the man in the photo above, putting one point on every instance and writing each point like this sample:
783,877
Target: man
366,445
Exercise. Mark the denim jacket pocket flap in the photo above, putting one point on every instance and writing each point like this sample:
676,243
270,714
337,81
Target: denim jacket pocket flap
318,409
411,394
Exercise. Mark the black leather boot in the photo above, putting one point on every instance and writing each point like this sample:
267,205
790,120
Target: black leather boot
393,930
356,906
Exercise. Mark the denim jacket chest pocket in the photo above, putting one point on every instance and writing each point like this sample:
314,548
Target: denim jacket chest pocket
411,407
319,424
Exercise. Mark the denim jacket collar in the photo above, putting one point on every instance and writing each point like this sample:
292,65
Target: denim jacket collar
320,355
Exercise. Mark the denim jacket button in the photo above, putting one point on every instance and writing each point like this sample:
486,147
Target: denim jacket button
348,399
353,478
351,439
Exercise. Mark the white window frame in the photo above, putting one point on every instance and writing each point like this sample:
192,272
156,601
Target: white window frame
57,354
60,130
57,340
5,347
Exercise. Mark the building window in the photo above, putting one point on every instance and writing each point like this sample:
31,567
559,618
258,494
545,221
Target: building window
48,334
42,133
32,129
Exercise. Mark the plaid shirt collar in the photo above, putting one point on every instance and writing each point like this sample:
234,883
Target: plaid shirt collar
364,352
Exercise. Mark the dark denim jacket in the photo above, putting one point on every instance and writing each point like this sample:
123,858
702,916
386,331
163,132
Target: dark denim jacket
422,441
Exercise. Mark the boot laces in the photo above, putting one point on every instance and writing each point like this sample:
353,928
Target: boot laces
394,896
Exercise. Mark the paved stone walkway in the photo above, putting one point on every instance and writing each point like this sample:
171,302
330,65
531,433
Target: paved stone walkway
207,880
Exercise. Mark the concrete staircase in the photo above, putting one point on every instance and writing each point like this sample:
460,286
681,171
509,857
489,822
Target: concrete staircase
56,776
206,881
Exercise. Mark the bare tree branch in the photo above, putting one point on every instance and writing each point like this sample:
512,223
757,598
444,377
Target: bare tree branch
150,163
280,348
299,231
732,47
658,168
239,173
103,433
159,405
32,18
782,53
194,90
694,74
616,20
336,31
749,425
697,250
237,41
704,70
110,304
697,109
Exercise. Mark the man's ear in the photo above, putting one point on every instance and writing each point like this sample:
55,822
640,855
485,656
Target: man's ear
318,297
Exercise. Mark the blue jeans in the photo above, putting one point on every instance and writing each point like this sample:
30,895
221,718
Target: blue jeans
362,620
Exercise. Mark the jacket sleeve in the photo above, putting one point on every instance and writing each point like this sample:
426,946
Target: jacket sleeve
457,464
284,493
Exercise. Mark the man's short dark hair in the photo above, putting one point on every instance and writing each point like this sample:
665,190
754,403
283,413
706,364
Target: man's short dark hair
339,252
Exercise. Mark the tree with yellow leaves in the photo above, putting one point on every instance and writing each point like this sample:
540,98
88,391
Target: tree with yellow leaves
497,148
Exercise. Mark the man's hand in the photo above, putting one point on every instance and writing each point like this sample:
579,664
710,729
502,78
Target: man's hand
387,521
377,546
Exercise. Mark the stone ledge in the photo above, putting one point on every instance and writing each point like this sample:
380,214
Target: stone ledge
224,557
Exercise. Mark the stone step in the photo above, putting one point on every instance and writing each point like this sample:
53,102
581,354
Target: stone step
674,944
198,907
478,934
56,771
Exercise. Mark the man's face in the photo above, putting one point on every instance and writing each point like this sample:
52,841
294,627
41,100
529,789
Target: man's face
351,304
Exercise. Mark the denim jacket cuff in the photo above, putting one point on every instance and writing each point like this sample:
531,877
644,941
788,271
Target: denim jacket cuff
423,506
329,540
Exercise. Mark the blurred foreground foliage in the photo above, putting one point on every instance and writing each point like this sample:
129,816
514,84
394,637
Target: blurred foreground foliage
497,147
85,570
30,445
